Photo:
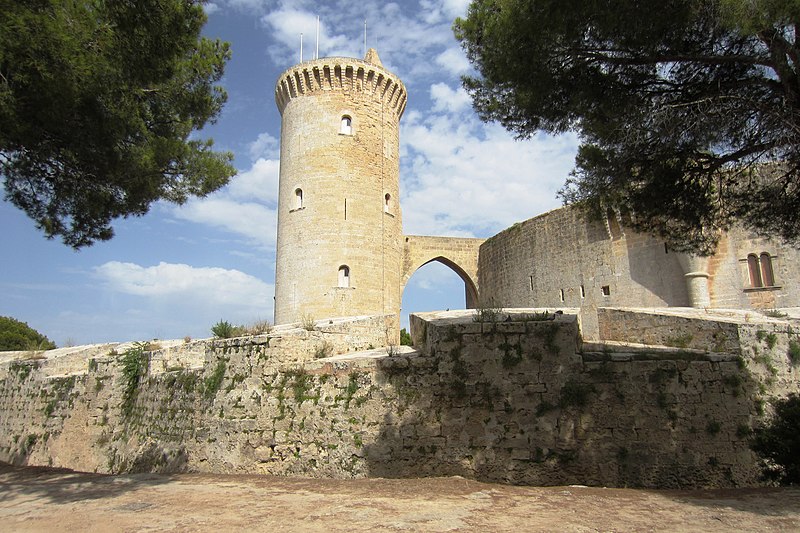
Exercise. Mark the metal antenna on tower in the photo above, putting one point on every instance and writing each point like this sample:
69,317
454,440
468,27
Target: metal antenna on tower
365,37
316,52
301,47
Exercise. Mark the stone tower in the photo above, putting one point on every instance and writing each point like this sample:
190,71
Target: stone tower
340,249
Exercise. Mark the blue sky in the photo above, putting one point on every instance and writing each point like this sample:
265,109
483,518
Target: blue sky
177,270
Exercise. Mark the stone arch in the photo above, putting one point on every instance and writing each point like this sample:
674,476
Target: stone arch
458,254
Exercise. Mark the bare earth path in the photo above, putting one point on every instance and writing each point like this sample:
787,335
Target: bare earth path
42,499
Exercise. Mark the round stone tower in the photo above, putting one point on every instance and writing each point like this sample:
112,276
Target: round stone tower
339,249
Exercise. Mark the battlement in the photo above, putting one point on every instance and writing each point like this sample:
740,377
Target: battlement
345,74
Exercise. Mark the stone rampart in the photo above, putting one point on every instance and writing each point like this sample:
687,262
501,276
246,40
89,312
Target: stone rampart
516,398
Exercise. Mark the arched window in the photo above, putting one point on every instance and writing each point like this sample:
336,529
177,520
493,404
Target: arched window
344,276
298,198
347,125
766,270
755,270
387,202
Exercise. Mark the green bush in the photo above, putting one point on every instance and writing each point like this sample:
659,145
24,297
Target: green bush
405,338
794,352
16,335
225,330
778,442
134,365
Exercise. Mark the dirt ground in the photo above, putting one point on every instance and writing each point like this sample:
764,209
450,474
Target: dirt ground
46,499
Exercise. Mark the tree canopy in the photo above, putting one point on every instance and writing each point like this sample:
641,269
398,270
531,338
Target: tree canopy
16,335
99,101
688,112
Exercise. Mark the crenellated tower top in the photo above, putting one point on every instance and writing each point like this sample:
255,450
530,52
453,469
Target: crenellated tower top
342,74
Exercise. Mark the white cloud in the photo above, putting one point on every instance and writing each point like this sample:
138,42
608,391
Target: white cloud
254,221
286,25
447,99
169,300
218,285
265,146
461,177
210,8
454,61
247,206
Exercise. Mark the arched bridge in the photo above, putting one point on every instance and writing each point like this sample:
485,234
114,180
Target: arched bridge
460,254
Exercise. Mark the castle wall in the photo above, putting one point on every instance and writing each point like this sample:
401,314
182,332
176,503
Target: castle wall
519,400
602,264
729,278
333,209
560,259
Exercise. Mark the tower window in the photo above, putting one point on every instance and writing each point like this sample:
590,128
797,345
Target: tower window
344,276
387,202
583,292
561,294
298,198
346,127
606,290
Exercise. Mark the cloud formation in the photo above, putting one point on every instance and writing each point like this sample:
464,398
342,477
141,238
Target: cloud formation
174,289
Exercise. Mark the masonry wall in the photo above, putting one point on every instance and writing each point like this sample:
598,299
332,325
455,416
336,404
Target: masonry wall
520,400
603,264
531,263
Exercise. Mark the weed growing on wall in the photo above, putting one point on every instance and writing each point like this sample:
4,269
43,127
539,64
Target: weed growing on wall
680,341
213,382
308,323
323,350
487,313
794,352
134,365
574,394
225,330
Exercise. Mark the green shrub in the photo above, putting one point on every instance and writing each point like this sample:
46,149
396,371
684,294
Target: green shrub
575,394
213,382
405,338
323,350
794,352
225,330
487,314
18,336
308,323
778,442
134,364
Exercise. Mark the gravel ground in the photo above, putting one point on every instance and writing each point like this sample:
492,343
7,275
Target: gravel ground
46,499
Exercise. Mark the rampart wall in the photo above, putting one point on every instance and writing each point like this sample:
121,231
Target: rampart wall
561,259
517,398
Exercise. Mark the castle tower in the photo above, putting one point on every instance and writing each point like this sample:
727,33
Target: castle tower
339,249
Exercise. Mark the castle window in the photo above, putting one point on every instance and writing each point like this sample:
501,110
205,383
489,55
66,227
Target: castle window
583,292
754,269
561,294
344,276
347,125
298,198
606,290
766,270
760,274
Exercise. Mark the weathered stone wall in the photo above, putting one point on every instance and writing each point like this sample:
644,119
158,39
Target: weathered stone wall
560,259
520,400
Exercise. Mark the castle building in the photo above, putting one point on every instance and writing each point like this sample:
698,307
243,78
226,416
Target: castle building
341,250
